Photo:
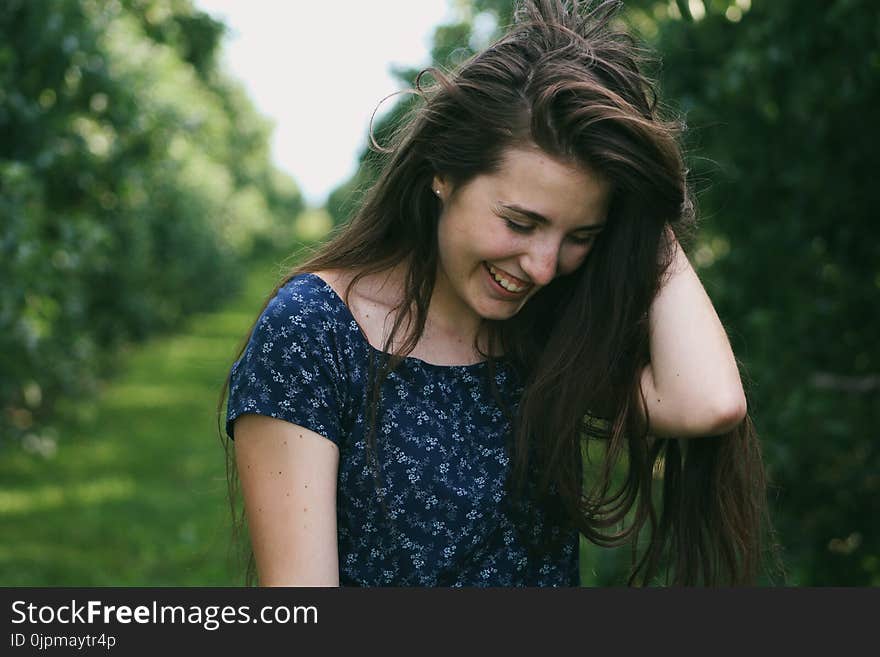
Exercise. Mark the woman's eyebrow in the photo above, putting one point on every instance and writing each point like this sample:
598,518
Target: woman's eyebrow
541,219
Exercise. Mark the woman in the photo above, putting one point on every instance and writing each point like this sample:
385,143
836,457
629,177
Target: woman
415,401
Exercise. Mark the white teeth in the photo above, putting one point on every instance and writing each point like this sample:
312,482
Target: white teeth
503,282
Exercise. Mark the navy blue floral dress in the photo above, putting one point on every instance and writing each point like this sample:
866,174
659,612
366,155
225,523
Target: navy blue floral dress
438,515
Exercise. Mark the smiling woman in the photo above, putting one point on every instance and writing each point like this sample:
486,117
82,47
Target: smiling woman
412,405
492,262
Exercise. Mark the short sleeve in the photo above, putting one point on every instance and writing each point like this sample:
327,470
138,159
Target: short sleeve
289,369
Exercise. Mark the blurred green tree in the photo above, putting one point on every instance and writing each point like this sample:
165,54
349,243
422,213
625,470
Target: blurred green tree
134,181
780,96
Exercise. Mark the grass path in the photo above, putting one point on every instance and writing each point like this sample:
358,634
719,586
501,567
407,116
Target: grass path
137,497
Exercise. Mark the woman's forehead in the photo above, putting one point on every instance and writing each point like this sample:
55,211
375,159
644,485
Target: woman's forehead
560,191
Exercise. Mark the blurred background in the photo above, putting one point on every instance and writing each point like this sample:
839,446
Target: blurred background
147,203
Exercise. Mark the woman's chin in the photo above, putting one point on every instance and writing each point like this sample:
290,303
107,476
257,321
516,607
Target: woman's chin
499,312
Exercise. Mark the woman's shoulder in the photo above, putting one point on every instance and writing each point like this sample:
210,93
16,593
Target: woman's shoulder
305,318
305,285
306,289
378,288
308,301
370,299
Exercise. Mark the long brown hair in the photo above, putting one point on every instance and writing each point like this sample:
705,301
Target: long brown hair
565,79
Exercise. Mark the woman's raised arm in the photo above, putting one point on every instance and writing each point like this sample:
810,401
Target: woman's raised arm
692,385
288,479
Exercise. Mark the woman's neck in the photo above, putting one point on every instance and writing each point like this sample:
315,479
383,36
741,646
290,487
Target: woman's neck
450,328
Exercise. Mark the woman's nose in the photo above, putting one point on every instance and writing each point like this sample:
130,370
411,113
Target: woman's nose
541,262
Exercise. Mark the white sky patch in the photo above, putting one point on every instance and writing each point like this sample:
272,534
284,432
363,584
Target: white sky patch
318,71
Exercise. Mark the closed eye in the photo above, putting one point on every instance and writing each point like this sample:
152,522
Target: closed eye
517,227
583,239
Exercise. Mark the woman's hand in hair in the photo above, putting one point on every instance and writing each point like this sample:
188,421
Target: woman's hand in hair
692,385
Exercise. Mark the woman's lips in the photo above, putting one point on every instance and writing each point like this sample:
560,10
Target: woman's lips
510,277
525,287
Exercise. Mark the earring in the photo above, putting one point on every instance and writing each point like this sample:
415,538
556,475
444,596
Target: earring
437,192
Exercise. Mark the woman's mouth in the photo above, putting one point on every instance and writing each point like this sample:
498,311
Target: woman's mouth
506,282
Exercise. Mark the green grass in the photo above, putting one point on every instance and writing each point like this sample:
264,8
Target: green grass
137,495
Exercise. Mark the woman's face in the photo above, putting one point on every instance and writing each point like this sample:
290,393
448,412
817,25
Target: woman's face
503,236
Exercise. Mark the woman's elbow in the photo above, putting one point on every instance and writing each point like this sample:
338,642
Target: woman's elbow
728,414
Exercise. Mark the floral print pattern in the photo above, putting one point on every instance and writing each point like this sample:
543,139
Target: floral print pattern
438,514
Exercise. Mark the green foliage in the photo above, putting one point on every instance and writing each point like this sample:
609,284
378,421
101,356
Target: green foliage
782,149
135,495
780,97
134,179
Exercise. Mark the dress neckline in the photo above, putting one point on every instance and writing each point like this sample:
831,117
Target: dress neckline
412,360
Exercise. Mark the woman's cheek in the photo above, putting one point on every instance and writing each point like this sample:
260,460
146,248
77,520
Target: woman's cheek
572,258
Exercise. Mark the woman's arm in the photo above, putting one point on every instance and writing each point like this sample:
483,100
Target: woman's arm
288,479
692,385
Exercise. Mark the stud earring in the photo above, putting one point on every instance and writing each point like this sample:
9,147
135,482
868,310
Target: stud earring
437,192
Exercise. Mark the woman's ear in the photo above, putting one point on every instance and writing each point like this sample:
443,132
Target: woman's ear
438,186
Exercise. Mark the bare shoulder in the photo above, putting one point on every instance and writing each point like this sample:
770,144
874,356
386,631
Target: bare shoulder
338,279
376,290
371,302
